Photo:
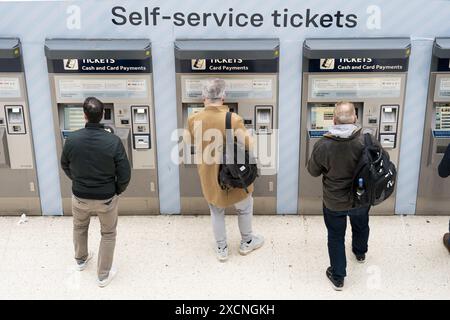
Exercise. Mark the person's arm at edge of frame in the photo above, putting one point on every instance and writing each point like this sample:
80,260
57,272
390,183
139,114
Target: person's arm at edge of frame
444,166
123,169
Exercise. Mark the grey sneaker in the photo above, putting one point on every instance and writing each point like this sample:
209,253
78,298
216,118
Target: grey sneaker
222,253
103,283
247,247
82,264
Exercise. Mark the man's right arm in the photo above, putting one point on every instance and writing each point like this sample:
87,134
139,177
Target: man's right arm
316,162
65,162
123,170
444,166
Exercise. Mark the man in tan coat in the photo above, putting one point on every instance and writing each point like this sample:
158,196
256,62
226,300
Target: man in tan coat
211,122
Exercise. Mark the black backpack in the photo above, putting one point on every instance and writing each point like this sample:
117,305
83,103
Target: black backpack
238,169
375,176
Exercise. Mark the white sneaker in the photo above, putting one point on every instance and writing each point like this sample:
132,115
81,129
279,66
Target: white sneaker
256,243
222,253
82,265
103,283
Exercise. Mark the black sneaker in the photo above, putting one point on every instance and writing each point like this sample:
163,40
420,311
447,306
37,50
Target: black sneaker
337,285
361,258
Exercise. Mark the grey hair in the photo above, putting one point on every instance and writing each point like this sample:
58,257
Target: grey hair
345,112
214,89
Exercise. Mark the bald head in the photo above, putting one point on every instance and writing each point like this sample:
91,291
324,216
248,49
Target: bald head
344,113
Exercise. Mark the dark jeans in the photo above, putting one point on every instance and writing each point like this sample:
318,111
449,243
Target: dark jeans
336,222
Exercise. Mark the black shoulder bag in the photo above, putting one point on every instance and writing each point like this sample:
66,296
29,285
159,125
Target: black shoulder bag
238,169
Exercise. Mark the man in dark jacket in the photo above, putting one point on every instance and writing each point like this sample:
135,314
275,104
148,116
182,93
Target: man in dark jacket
444,172
96,162
335,157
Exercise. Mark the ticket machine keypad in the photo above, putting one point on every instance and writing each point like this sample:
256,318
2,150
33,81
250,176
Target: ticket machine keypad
442,118
141,127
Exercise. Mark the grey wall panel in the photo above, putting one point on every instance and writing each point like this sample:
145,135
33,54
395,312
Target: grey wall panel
413,125
43,133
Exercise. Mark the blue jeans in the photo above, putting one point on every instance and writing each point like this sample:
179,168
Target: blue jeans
336,222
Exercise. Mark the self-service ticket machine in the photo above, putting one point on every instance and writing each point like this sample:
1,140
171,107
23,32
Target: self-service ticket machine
434,191
371,73
119,73
18,178
250,70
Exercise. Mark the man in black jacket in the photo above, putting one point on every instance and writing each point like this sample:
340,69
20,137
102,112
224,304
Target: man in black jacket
96,162
444,172
335,157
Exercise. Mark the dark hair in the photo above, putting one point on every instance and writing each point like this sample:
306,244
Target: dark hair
93,109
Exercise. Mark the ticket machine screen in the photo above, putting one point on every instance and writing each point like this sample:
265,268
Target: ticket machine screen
194,108
74,116
322,117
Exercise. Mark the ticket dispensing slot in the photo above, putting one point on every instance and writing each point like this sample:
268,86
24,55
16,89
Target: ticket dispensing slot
15,120
263,119
4,155
141,127
388,126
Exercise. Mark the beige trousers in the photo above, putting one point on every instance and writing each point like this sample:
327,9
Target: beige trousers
107,212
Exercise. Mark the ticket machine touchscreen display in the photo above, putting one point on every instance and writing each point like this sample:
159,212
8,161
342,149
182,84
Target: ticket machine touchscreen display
74,116
194,108
322,117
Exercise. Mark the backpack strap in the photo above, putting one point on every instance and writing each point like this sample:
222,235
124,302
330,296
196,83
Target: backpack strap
229,150
229,129
228,121
368,140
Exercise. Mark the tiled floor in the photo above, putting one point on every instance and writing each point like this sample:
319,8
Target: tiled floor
171,257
